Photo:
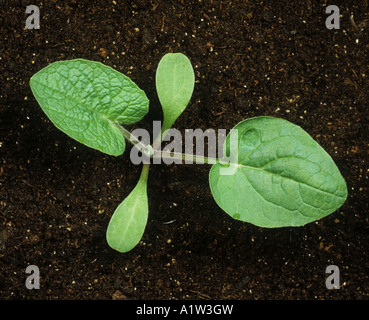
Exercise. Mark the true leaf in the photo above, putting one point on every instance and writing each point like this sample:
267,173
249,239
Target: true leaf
175,81
129,220
86,100
282,176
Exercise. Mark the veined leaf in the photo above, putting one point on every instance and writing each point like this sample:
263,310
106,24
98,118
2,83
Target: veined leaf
282,176
175,81
86,100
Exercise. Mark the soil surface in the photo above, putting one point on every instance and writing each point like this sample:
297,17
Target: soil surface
251,58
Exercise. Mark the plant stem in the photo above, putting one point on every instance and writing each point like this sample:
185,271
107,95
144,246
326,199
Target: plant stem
144,172
191,158
153,152
147,149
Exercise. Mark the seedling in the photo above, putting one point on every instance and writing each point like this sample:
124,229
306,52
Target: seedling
280,177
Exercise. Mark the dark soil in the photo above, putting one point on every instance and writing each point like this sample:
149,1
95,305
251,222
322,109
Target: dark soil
251,58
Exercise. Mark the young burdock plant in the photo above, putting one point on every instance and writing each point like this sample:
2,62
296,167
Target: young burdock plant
277,175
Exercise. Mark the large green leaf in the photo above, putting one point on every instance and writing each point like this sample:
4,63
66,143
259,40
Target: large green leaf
86,100
175,81
282,176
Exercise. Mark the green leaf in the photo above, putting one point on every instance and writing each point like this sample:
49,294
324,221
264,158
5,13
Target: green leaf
282,176
175,81
86,100
129,220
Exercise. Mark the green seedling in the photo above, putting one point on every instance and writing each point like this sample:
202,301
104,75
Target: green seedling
281,177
